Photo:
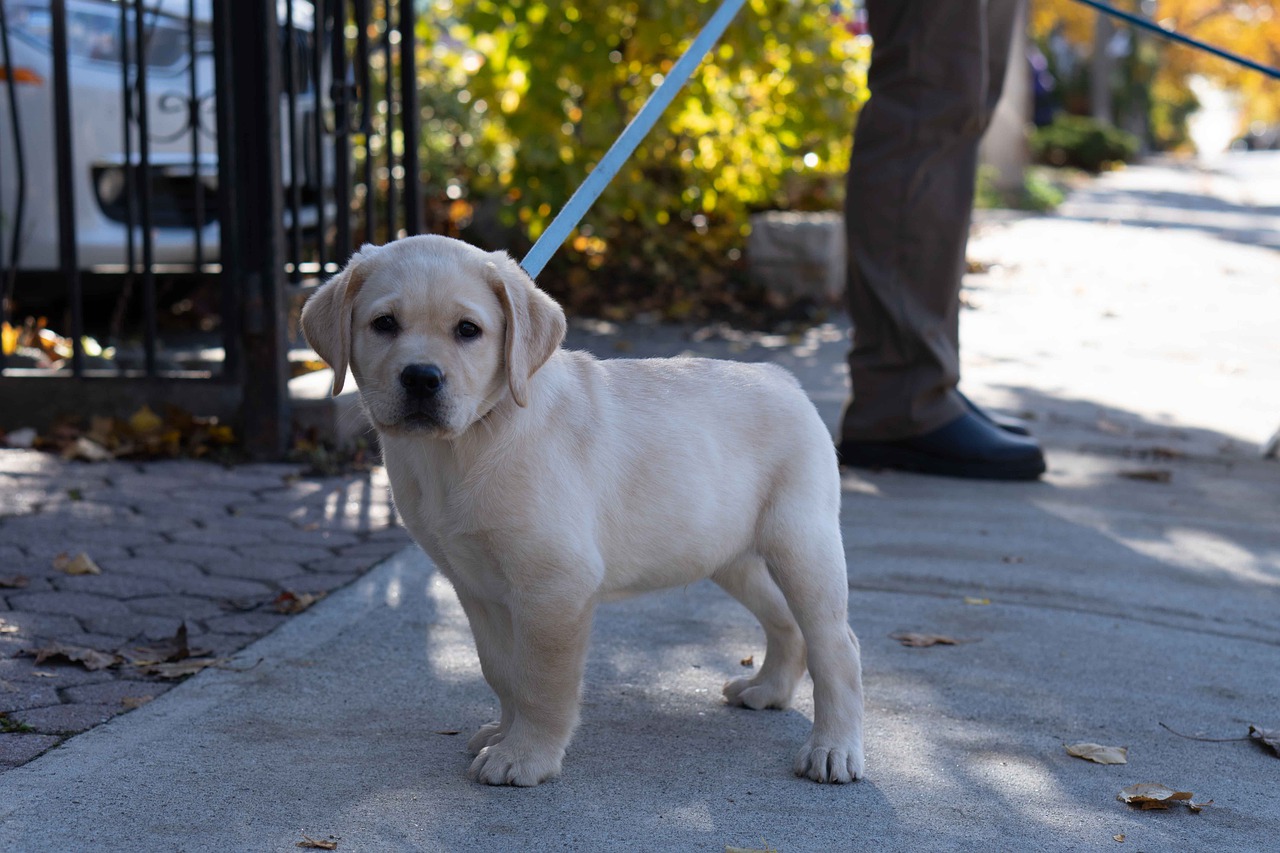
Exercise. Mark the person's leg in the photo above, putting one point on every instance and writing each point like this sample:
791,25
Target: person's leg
936,74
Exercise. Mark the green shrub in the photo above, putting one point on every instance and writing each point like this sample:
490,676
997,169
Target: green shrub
1042,190
1082,142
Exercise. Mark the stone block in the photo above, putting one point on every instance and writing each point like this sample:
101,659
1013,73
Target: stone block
181,607
256,624
67,719
115,692
78,604
797,255
18,749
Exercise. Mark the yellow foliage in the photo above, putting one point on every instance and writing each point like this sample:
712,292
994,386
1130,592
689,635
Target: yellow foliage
1250,28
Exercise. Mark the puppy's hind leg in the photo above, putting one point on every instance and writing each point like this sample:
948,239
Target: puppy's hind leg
749,582
806,559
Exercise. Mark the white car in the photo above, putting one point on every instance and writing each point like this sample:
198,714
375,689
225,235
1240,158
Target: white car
96,75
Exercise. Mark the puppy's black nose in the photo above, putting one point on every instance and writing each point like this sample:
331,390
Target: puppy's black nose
422,380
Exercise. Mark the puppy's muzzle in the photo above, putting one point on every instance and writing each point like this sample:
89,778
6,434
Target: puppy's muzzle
421,381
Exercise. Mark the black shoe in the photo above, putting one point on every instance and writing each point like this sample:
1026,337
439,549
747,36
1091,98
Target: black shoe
1015,426
969,446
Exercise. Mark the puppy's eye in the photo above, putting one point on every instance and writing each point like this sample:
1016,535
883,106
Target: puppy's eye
467,329
385,323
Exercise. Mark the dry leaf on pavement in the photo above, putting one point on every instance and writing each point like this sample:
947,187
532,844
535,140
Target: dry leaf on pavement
132,703
182,668
87,450
80,564
750,660
1098,753
144,421
1153,795
290,603
14,582
317,843
924,641
1150,475
969,599
90,659
172,650
1267,737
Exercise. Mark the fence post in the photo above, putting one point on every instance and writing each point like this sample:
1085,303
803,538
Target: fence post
247,48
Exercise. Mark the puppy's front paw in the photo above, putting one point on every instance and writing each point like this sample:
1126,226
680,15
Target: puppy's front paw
831,762
505,763
489,734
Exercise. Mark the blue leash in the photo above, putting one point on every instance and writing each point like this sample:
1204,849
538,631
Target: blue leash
586,194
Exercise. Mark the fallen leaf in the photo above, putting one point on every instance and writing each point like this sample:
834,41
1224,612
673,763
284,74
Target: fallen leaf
14,582
1119,837
80,564
1098,753
134,702
183,668
90,659
145,421
9,338
175,649
1153,795
317,844
7,629
1150,475
750,660
290,603
88,450
1267,737
40,673
924,641
971,600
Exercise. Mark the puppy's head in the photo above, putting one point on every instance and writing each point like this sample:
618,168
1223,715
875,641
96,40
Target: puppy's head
436,332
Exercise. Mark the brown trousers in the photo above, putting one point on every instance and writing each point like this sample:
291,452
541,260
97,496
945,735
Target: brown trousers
937,68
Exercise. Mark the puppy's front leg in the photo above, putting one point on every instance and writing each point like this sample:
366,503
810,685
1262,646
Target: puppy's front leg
491,628
543,683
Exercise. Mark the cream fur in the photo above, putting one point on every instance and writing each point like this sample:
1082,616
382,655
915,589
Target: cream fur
544,481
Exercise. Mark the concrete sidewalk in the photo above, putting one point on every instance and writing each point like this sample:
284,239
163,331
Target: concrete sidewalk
1136,585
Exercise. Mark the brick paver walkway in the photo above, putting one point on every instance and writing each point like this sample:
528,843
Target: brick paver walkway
176,541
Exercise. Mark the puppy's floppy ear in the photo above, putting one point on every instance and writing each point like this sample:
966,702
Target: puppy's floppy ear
326,318
535,323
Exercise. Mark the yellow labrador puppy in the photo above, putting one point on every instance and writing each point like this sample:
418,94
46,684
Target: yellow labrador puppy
543,481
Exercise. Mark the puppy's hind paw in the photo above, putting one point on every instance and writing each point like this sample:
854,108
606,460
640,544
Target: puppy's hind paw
838,764
757,694
489,734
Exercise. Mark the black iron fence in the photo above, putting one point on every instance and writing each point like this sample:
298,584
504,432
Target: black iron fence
174,175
